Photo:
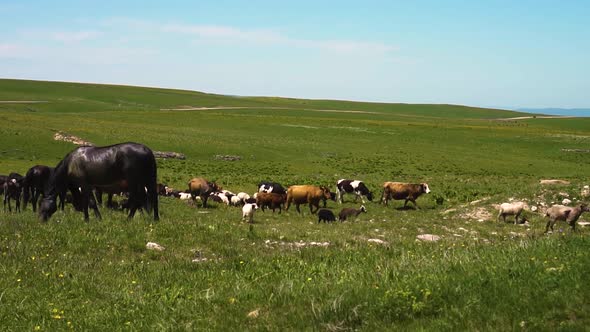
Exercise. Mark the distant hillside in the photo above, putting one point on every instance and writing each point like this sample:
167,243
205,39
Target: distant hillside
79,97
558,111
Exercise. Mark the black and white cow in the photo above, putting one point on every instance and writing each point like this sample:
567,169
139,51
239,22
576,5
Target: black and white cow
271,187
353,187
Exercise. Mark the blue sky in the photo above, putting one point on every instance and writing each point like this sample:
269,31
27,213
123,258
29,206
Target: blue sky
483,53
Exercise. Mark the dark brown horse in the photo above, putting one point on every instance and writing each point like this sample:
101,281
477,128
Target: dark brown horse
88,167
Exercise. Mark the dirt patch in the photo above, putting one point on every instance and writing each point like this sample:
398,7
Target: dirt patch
479,214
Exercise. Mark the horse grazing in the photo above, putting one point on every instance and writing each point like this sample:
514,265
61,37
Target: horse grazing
87,167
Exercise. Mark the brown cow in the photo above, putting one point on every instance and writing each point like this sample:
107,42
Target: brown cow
311,195
202,188
271,201
406,191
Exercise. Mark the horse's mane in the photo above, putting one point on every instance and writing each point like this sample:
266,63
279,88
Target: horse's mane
58,178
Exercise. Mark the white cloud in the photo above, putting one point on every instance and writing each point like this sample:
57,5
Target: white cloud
8,50
268,37
74,36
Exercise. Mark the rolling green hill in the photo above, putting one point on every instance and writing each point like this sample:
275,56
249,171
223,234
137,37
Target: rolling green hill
481,275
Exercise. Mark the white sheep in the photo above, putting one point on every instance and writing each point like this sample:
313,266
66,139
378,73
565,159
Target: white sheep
243,196
235,200
248,212
565,213
511,209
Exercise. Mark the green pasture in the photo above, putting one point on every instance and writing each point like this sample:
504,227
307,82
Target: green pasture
272,275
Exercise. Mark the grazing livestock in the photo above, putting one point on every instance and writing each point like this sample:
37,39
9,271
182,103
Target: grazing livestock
511,209
88,167
271,187
326,216
307,194
564,213
33,184
235,201
219,197
271,201
248,212
202,188
355,187
184,196
162,189
250,200
13,190
350,212
406,191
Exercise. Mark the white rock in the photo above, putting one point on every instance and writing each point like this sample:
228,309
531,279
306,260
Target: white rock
377,241
534,208
428,237
154,246
566,201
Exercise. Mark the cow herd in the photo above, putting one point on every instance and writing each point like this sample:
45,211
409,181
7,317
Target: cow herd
129,169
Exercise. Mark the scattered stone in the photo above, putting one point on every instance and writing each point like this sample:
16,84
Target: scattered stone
378,241
227,157
566,201
64,137
576,150
585,191
554,181
300,244
534,208
169,155
254,313
61,136
583,223
154,246
200,260
564,194
428,237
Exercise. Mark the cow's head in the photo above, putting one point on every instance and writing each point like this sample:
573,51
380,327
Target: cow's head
326,192
425,188
584,207
370,196
213,187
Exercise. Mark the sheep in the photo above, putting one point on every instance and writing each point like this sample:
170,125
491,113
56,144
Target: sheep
565,213
326,215
235,201
349,212
248,212
511,209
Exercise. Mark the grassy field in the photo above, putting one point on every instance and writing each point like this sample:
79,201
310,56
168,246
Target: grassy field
272,275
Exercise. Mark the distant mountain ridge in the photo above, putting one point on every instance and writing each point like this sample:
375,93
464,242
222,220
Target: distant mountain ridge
558,111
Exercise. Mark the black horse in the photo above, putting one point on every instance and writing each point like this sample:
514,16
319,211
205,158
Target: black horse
130,165
13,185
35,180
